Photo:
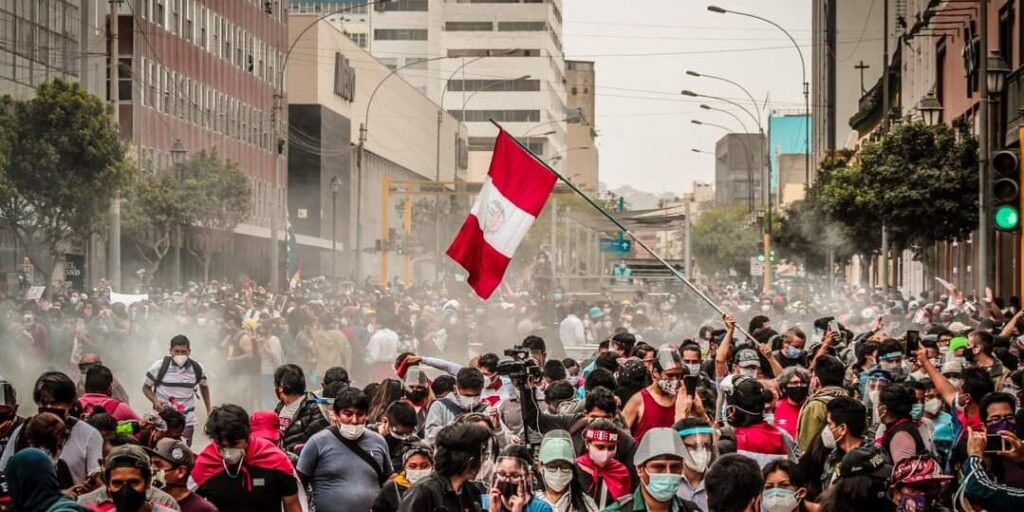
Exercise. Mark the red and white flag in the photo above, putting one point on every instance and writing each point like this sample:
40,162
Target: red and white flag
514,193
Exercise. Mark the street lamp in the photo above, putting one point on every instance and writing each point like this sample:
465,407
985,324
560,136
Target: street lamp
335,188
930,109
178,152
997,71
734,116
756,119
702,152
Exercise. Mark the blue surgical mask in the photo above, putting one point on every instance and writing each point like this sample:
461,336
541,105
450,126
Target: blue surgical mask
917,411
792,352
663,486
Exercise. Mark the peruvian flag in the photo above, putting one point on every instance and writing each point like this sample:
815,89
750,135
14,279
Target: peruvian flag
514,193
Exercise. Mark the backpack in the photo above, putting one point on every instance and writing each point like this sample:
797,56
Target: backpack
109,405
166,366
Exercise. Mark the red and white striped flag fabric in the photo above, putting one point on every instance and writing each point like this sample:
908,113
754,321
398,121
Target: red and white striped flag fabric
512,196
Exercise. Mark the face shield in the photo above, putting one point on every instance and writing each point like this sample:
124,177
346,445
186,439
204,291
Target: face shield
701,447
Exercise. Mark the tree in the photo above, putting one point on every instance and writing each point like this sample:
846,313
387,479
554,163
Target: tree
218,198
67,165
807,234
919,181
157,206
725,238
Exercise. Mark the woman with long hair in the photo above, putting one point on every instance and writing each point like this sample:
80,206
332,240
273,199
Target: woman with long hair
785,489
558,471
389,391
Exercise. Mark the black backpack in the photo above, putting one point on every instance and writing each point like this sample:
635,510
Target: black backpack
166,366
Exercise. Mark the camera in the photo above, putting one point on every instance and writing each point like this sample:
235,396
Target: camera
520,367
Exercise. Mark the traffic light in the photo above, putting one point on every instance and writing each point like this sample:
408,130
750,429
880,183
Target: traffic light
760,252
771,255
1006,191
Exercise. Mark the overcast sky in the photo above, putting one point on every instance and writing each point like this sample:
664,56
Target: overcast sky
644,123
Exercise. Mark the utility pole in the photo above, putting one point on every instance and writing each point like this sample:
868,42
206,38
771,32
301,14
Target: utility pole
275,214
114,257
983,245
357,248
884,269
437,198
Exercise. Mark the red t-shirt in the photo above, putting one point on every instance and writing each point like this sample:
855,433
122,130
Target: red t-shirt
787,416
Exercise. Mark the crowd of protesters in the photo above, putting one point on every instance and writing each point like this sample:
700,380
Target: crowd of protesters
337,397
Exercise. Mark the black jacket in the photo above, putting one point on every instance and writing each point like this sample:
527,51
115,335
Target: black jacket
308,420
435,494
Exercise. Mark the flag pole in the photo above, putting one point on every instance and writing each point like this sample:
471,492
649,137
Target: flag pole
678,275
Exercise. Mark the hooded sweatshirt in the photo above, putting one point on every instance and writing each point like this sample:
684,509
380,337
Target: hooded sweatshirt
33,484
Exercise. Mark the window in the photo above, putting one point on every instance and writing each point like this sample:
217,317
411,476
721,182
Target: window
522,26
160,13
488,52
176,16
400,34
469,26
507,116
494,85
402,6
358,38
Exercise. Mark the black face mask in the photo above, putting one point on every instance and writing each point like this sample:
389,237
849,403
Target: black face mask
416,395
127,499
509,489
7,416
797,394
968,355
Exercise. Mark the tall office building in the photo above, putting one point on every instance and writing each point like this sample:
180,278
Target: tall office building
479,59
738,170
581,152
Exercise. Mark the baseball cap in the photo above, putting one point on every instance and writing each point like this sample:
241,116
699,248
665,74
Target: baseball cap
266,425
557,445
128,456
958,327
173,451
865,461
659,442
952,367
748,358
957,343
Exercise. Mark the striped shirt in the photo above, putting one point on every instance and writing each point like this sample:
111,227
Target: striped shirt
178,387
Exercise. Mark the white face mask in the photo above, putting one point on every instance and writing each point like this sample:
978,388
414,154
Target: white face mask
932,405
468,402
693,368
701,457
557,479
779,499
749,372
415,475
828,439
351,432
180,360
599,457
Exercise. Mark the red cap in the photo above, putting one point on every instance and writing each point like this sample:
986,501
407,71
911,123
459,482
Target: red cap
266,424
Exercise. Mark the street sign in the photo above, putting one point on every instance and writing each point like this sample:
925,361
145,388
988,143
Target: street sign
756,267
617,246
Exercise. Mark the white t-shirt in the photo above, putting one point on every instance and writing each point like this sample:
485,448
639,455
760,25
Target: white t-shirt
82,451
288,412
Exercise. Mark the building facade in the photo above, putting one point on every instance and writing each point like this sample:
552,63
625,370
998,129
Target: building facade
480,60
336,89
739,170
581,154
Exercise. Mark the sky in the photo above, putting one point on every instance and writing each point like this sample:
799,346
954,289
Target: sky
644,124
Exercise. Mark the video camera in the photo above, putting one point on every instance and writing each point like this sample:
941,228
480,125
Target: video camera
520,367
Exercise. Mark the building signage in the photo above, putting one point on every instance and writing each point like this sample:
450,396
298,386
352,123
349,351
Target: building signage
344,78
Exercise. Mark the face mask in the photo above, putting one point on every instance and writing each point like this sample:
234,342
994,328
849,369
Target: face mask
352,432
180,360
663,486
969,355
936,362
7,416
749,372
127,499
828,439
557,297
159,478
917,411
701,457
416,395
693,368
400,437
669,386
415,475
932,405
778,499
599,457
232,456
919,503
557,479
798,394
955,382
1001,426
509,489
468,402
792,352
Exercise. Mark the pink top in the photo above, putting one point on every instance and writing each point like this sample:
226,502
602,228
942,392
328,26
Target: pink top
119,410
655,416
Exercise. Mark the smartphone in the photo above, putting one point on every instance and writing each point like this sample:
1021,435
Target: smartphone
691,381
833,326
913,341
994,443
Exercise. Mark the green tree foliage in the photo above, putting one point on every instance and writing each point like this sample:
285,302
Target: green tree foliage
157,207
64,164
920,181
217,200
725,238
806,233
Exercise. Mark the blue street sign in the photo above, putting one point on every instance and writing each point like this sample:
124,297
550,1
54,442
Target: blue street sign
617,246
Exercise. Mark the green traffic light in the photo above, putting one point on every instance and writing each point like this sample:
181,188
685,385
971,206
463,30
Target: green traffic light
760,258
1006,218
